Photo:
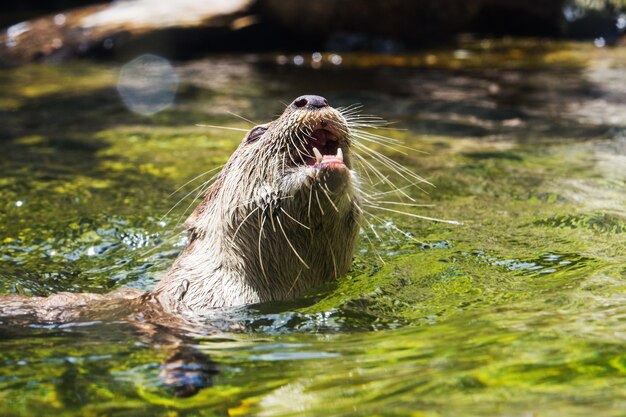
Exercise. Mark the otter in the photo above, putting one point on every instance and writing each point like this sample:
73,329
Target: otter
281,217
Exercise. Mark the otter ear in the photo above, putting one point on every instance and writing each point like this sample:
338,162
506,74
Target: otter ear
255,133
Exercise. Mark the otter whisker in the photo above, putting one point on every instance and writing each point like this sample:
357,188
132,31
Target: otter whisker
369,240
271,216
195,178
344,130
242,223
376,124
378,219
254,201
365,129
289,153
373,122
366,171
185,197
291,245
309,205
356,112
378,194
455,222
386,127
303,142
332,255
406,234
319,204
349,106
294,282
356,119
243,118
200,193
393,165
292,218
203,187
299,133
383,178
262,221
223,127
394,147
387,224
368,167
325,190
372,201
371,225
355,107
380,182
297,148
384,141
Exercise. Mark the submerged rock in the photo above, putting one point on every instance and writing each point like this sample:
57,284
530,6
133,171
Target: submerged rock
100,29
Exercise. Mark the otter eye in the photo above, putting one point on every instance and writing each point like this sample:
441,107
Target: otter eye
255,133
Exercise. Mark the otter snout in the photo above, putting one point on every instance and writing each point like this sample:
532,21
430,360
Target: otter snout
310,102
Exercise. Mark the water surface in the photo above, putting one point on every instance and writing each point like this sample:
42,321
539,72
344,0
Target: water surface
519,311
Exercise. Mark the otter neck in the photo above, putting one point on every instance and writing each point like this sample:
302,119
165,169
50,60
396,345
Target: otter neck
276,248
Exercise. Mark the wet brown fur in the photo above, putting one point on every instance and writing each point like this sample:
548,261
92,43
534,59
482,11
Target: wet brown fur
270,227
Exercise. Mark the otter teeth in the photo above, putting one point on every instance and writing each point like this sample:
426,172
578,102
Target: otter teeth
318,155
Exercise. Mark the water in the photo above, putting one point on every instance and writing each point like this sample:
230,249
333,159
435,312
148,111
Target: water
519,311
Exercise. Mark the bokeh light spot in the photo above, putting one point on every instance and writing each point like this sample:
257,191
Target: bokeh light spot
148,84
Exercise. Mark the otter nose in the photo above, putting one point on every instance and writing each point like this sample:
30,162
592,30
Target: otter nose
310,102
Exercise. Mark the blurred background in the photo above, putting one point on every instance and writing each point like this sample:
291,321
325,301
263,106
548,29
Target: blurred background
64,29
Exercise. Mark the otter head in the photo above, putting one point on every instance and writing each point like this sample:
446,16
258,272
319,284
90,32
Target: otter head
281,217
308,145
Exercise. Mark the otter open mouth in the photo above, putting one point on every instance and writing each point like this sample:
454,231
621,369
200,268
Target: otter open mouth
323,149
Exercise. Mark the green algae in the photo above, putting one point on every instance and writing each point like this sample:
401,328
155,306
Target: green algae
516,310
